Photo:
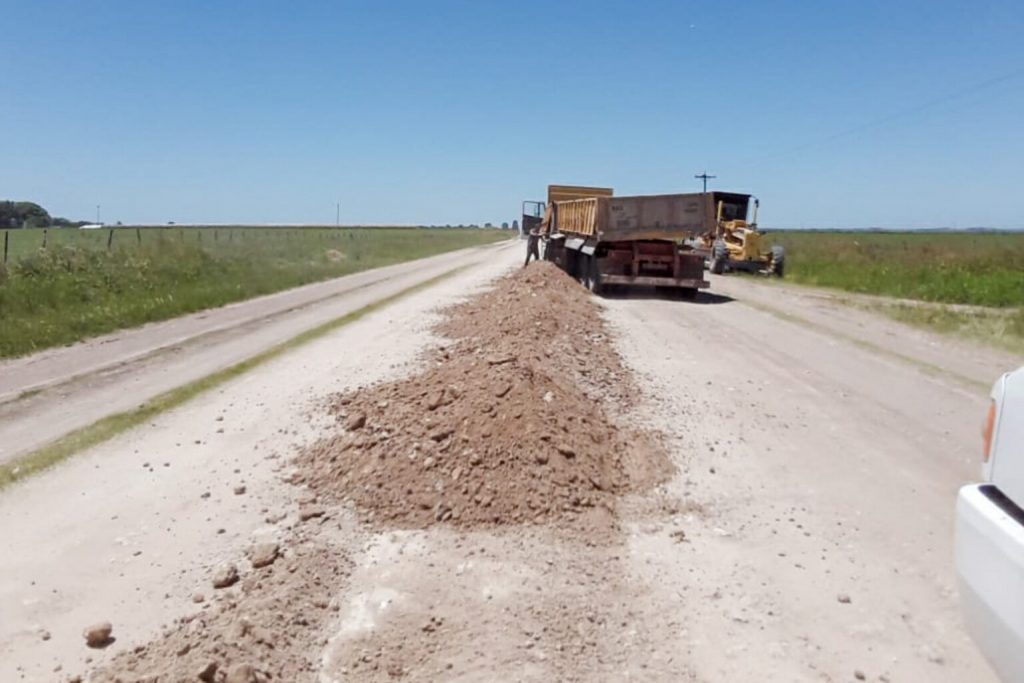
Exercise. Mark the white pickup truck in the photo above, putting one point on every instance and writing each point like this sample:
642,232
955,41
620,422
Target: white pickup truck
990,535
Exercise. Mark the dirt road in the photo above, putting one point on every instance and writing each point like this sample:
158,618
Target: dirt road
823,464
46,395
804,535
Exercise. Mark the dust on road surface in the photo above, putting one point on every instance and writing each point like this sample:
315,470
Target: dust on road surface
799,529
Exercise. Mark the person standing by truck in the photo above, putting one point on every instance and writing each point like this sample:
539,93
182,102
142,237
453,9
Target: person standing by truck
532,246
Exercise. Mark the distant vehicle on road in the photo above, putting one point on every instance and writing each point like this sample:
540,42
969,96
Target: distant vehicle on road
91,226
990,535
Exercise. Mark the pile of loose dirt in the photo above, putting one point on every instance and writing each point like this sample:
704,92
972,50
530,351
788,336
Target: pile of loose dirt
508,425
261,631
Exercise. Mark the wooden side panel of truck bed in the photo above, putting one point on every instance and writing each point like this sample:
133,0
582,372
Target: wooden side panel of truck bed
561,193
580,216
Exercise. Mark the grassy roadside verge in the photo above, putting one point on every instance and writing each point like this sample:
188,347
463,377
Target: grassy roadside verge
977,269
1001,328
969,285
872,347
112,425
77,287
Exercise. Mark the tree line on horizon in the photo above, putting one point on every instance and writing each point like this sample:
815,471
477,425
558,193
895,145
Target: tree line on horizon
15,215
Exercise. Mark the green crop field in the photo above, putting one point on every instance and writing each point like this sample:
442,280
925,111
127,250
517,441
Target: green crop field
61,285
984,271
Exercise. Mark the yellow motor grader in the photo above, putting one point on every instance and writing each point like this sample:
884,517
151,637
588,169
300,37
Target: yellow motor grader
736,244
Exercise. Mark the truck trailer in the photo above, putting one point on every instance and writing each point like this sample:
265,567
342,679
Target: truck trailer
604,240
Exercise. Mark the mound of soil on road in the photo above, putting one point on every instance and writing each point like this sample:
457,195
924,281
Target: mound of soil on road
264,630
508,425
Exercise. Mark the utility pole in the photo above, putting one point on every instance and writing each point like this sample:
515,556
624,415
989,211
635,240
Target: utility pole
705,177
337,215
97,213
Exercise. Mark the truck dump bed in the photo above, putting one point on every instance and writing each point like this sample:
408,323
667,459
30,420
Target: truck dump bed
644,217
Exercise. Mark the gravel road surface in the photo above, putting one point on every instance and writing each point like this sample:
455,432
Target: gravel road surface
823,467
805,533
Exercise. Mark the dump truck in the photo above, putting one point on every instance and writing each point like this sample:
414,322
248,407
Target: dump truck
734,242
604,240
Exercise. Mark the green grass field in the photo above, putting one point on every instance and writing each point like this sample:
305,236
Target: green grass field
983,270
76,287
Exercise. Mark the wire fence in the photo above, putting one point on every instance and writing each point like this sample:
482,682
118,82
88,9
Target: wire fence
19,243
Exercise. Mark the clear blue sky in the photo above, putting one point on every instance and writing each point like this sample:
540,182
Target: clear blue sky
834,113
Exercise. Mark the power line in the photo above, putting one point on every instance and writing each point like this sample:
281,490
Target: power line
881,121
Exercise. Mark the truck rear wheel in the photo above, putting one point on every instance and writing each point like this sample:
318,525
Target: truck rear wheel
572,264
592,279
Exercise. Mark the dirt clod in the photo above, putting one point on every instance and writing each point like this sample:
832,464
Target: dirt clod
98,635
208,672
307,512
226,575
244,673
264,554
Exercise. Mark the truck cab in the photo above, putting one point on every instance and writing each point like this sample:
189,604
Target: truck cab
533,214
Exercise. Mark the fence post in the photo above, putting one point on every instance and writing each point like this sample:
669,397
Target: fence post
7,239
138,236
110,238
44,237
